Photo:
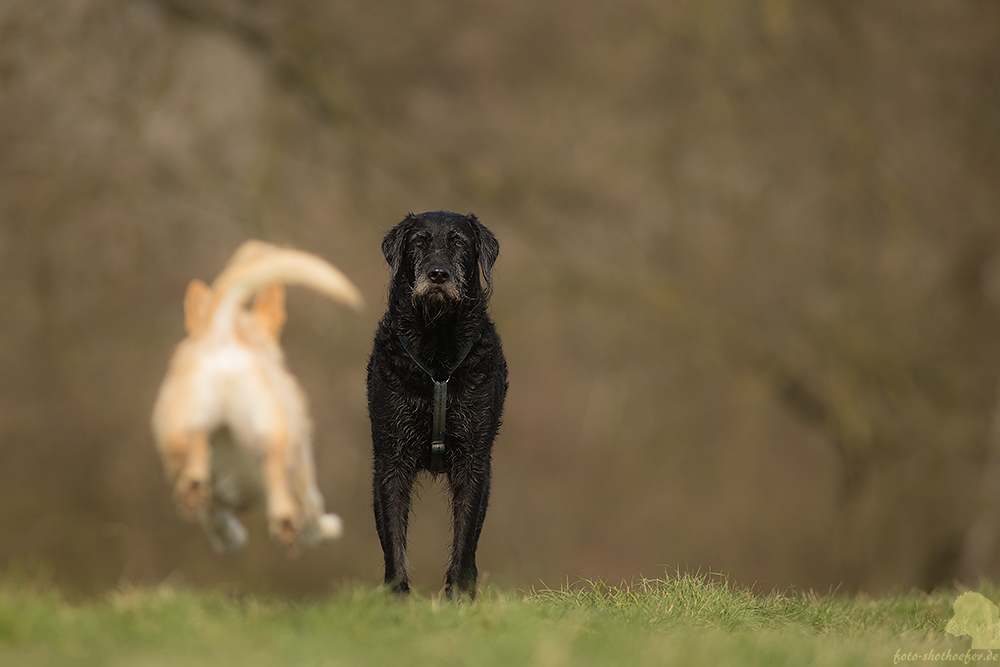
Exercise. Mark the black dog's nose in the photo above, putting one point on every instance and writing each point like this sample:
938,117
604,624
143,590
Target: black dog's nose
439,274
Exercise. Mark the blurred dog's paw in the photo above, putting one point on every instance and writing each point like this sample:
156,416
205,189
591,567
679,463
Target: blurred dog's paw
189,496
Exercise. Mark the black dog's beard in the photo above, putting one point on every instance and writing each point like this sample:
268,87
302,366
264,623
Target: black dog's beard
434,300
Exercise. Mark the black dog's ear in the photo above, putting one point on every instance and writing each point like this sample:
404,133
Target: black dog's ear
488,249
394,243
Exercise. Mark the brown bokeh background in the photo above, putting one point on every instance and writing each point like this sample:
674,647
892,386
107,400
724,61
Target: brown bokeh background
749,282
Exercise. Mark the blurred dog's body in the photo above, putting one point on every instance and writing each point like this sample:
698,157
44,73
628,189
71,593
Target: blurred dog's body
230,422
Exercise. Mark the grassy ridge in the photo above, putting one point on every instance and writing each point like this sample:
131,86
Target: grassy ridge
679,620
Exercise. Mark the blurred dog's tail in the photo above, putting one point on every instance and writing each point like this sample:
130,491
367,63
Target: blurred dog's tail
255,264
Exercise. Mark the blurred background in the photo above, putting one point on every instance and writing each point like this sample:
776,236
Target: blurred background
749,281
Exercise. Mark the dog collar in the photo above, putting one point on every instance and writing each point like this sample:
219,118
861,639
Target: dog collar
440,398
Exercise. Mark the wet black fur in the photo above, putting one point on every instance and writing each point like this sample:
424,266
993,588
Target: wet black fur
438,304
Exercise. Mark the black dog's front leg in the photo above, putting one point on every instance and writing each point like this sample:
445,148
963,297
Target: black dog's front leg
392,499
470,496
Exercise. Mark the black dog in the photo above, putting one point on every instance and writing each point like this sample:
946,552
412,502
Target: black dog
437,380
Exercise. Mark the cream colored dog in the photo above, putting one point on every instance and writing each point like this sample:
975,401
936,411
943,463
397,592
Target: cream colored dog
230,422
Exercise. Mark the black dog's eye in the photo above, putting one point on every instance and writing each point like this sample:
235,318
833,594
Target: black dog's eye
457,243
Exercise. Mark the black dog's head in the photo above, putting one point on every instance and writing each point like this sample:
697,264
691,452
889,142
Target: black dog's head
435,256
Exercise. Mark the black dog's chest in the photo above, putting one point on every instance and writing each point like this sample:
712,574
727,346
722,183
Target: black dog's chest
410,386
417,381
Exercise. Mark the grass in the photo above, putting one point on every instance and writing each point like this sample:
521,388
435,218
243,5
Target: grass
685,619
